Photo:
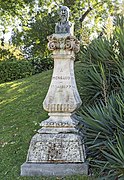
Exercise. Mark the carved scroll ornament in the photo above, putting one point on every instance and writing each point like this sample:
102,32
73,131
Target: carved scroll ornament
63,42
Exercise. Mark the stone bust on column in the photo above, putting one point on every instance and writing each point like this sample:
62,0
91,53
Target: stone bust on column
64,25
58,147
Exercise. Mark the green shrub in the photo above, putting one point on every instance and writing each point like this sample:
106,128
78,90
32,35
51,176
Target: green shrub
102,92
42,64
104,133
15,70
103,67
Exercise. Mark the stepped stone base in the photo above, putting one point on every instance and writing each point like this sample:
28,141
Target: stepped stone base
52,169
56,151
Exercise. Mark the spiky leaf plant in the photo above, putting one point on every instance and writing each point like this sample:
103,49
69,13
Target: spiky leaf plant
115,156
103,66
103,103
105,135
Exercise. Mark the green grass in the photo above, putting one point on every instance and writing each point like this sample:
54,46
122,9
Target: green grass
21,112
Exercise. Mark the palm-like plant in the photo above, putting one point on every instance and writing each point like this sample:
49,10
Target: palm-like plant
103,103
114,156
103,66
105,134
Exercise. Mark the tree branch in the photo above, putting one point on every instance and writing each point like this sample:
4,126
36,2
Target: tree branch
90,9
85,14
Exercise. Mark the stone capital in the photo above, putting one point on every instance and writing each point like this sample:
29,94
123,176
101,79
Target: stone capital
63,42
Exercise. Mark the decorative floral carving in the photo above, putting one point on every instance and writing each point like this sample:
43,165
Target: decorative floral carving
68,42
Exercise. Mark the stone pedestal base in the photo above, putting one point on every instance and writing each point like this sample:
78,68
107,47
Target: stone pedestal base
57,149
52,169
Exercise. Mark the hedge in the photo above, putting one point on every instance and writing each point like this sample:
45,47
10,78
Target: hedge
15,70
42,64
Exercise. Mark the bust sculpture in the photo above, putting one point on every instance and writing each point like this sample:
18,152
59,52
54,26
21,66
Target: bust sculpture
64,25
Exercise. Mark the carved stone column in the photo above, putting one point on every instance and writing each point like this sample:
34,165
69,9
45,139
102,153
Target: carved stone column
63,95
58,149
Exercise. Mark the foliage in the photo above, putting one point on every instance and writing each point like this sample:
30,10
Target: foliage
10,53
15,70
103,65
12,8
115,156
34,36
105,134
35,21
13,66
103,106
42,64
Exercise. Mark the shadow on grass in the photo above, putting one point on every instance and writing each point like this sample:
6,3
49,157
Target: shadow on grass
21,112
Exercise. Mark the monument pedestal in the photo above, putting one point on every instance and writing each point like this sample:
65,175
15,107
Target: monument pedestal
58,147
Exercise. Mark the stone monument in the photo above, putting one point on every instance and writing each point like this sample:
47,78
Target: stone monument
58,148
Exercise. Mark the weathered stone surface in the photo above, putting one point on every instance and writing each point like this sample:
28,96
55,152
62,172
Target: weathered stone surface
63,42
58,147
59,123
63,95
53,169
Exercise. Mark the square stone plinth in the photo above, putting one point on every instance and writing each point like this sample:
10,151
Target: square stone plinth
52,169
57,148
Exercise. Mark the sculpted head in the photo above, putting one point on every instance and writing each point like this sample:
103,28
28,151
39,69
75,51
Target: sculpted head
64,25
64,13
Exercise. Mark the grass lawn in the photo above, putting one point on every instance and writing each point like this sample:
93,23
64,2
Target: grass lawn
21,112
